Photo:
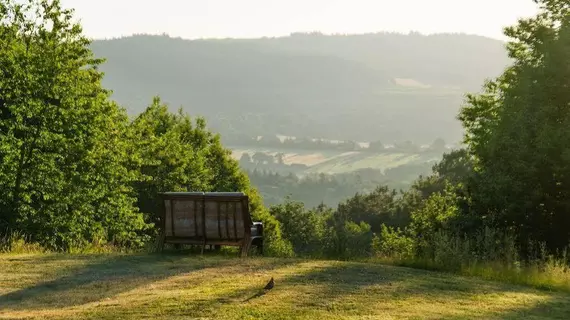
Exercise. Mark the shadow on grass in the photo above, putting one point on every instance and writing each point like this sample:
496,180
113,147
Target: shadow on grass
259,294
310,288
103,276
325,288
204,297
520,302
553,308
340,286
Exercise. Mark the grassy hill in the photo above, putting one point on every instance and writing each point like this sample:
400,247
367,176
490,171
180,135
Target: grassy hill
386,86
335,162
178,286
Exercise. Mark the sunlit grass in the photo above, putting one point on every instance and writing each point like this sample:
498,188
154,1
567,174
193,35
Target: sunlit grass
551,275
16,244
182,286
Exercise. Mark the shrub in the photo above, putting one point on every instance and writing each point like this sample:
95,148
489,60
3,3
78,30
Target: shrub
393,243
304,229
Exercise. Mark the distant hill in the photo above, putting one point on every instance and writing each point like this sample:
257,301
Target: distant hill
385,86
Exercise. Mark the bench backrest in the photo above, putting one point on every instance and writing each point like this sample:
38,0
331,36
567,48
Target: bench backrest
206,216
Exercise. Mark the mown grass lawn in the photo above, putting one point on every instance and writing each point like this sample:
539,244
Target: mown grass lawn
183,286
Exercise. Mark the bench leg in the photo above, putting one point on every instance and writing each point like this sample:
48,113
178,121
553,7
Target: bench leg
161,239
245,248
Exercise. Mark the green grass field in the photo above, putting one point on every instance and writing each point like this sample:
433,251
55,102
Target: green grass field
182,286
333,162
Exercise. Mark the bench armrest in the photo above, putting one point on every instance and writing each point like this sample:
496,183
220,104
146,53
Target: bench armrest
257,229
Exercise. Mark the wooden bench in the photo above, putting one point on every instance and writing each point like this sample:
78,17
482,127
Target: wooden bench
209,218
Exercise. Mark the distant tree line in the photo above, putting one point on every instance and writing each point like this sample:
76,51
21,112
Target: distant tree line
264,161
272,141
355,227
314,189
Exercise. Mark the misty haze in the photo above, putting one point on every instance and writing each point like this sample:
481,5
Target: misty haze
285,159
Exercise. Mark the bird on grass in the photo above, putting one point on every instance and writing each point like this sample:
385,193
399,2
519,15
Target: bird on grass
270,284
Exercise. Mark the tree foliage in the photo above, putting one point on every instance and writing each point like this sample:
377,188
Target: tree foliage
305,229
63,178
171,152
519,132
73,169
381,206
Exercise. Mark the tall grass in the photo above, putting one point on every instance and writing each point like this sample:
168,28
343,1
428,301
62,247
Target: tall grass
488,254
19,243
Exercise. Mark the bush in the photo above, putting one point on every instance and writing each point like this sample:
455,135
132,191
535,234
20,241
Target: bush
278,247
304,229
393,243
350,240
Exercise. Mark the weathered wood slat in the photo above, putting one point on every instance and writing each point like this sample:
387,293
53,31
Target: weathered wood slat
219,221
167,221
207,218
196,208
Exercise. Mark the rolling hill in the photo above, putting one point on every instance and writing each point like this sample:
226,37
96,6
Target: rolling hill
360,87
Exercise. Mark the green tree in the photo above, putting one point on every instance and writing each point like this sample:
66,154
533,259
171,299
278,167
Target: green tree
165,155
376,146
375,208
63,174
519,128
349,239
272,141
438,212
174,153
280,158
245,159
261,158
455,167
305,229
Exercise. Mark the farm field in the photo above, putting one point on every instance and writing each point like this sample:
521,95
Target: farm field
181,286
334,162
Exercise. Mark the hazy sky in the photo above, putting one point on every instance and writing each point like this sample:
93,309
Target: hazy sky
256,18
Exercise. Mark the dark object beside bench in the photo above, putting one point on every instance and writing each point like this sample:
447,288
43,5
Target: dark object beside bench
210,218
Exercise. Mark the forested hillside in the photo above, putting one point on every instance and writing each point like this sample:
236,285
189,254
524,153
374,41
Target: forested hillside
384,86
